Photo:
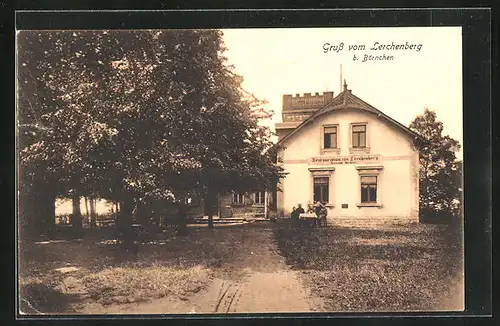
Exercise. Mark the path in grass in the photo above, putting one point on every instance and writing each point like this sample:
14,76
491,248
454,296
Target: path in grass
260,281
254,279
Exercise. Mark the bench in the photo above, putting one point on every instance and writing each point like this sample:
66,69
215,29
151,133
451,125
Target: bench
105,223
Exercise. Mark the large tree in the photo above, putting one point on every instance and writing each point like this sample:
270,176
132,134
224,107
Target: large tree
40,158
58,130
140,117
439,172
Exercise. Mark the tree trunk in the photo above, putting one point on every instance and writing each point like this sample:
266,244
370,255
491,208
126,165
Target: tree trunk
182,219
36,208
125,224
51,211
116,210
93,217
76,218
45,211
25,220
210,203
87,209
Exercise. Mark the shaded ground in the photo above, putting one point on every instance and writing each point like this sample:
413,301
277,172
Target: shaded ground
259,267
379,267
224,270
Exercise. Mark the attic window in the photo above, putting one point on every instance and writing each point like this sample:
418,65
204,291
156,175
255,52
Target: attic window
330,137
359,136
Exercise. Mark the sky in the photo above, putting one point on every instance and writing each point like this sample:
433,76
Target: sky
281,61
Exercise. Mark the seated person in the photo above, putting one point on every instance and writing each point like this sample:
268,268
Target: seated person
310,209
299,210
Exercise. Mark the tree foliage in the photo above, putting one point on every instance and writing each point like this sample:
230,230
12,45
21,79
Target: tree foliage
440,193
138,117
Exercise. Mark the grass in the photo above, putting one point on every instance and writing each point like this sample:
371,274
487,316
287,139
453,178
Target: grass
136,283
167,266
173,266
377,268
370,268
129,282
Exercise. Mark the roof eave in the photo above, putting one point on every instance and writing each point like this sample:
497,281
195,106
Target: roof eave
328,107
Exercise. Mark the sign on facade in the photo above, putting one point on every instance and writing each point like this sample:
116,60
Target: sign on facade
350,159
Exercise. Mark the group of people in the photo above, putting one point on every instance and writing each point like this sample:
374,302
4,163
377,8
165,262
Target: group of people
318,209
297,211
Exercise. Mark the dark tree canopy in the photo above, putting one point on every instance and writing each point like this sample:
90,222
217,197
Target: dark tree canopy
137,116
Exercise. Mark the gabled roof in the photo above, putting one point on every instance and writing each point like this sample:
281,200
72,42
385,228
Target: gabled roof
346,100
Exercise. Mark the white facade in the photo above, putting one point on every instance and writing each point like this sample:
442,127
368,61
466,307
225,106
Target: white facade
374,178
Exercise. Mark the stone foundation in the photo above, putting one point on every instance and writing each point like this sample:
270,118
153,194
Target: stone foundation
370,223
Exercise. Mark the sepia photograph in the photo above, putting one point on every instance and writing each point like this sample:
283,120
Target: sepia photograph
226,171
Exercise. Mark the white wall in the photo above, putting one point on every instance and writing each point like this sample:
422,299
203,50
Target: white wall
397,190
296,187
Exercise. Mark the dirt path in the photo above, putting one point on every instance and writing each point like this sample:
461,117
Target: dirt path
259,281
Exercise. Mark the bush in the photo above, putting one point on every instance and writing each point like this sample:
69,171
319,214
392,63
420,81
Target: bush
433,217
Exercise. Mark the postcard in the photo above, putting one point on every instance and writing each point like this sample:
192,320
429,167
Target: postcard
240,170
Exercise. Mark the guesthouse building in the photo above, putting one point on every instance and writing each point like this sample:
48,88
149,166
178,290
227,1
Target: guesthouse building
350,156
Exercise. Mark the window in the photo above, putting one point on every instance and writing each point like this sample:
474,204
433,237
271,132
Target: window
369,177
368,189
358,136
330,137
321,189
320,183
238,198
259,197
